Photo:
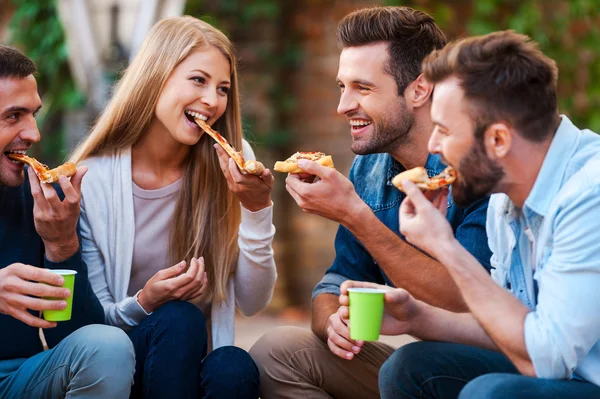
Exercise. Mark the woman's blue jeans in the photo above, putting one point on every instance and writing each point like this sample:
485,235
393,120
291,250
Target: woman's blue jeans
449,371
171,361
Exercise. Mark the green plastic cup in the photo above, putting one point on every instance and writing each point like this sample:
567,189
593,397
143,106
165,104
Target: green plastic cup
65,314
366,313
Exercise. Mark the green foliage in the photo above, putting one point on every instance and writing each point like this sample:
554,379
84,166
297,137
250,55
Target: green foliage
568,33
240,19
36,29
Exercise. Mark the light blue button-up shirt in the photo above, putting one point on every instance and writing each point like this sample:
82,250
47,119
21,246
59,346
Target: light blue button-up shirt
547,254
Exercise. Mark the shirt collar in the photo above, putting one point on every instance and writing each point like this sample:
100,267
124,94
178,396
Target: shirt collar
550,177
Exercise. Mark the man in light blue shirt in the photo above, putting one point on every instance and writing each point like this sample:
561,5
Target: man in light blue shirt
533,330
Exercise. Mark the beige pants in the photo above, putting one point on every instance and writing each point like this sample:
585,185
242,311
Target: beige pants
294,363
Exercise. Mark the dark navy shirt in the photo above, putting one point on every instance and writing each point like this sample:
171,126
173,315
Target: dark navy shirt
20,243
372,178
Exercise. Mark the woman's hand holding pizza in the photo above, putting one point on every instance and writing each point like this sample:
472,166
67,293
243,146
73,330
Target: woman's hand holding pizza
423,218
254,192
331,196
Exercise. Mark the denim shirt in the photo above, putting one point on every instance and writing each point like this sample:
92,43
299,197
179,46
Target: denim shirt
372,178
548,256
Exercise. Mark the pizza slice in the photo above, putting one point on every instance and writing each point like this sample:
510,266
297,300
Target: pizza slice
420,177
251,166
42,171
290,165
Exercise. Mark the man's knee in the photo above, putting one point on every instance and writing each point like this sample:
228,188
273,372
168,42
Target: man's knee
102,359
230,371
279,346
399,374
493,386
103,345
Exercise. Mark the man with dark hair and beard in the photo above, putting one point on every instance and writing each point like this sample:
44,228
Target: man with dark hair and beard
386,102
533,329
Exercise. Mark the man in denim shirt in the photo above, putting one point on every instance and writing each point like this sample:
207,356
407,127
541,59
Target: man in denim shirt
387,103
533,330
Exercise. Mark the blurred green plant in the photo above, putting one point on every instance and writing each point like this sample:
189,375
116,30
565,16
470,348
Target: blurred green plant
37,30
240,19
567,31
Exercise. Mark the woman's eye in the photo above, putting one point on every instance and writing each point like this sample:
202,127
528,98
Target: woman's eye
199,79
224,90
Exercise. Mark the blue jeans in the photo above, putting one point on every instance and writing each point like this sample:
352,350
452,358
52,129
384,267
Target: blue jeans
448,371
171,362
95,361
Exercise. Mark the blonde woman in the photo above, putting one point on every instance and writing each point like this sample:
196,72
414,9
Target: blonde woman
160,193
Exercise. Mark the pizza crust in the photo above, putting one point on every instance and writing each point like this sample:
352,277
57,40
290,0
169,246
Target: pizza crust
45,175
422,180
290,165
252,167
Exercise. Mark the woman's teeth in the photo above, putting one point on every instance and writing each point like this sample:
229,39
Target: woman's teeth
196,115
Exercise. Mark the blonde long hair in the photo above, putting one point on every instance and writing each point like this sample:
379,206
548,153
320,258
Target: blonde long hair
207,215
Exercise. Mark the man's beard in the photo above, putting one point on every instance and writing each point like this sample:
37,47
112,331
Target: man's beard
478,175
388,131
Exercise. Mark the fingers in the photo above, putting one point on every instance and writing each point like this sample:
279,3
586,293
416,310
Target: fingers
396,296
415,194
235,172
267,177
31,320
312,167
36,191
40,290
198,290
191,281
338,338
39,304
171,272
223,161
37,274
72,188
441,200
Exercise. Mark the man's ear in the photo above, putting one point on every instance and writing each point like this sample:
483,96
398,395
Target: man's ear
418,93
497,140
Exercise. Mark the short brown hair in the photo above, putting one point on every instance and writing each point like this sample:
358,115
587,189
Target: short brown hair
506,77
14,64
411,35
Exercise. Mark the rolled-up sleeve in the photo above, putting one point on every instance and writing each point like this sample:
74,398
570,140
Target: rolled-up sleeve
565,325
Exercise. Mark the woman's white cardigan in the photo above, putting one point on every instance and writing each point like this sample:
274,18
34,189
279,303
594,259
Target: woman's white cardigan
108,228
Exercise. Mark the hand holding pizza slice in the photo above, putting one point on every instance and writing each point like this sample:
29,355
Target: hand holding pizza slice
251,166
420,177
42,171
290,165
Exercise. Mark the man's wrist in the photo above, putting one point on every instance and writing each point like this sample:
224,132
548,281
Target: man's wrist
419,320
355,217
61,251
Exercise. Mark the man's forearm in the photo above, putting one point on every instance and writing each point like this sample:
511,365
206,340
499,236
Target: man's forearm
435,324
425,278
500,314
323,306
